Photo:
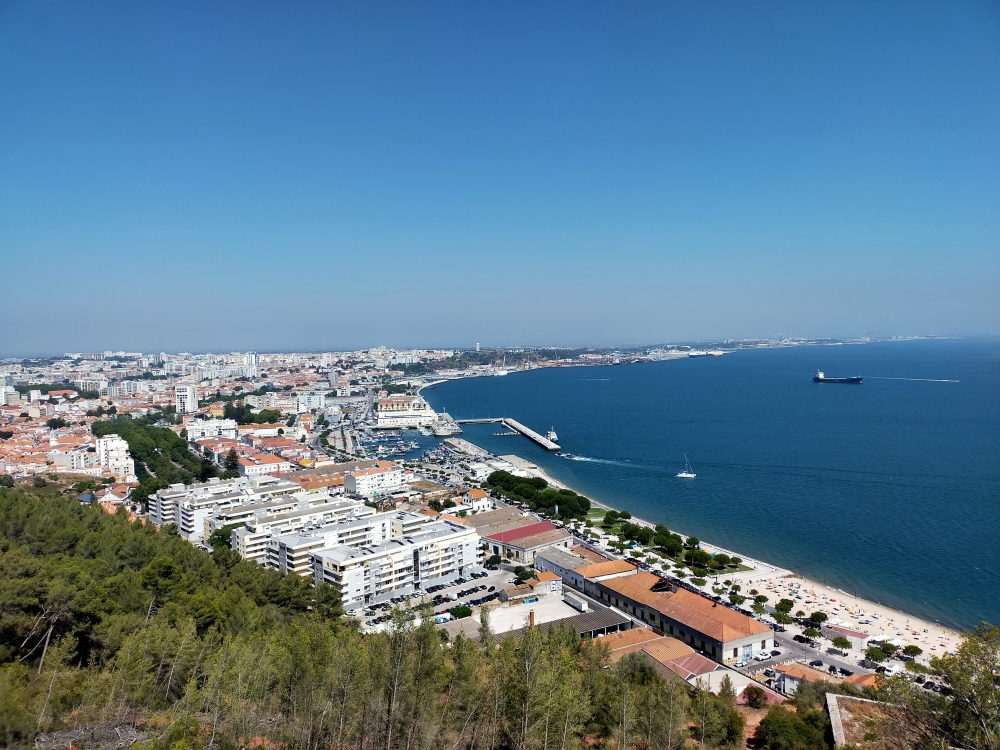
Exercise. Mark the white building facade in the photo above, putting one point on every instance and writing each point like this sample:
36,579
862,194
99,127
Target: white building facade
439,552
186,399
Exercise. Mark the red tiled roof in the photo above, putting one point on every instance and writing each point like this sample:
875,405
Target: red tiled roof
521,532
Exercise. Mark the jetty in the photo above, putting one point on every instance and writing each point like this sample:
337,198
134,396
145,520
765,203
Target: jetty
513,424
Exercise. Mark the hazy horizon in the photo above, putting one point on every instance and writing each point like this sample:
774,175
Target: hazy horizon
235,176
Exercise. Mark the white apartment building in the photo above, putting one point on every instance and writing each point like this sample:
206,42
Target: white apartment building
382,478
305,402
189,506
186,399
263,464
112,454
290,552
440,551
404,411
212,428
251,540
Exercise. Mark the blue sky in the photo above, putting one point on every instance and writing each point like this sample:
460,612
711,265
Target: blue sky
323,176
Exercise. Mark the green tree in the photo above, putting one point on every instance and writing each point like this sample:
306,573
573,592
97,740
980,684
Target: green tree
819,617
875,654
755,697
55,423
841,642
912,650
222,536
232,462
811,633
6,480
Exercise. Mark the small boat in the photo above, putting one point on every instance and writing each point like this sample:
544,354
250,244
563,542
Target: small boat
552,435
687,473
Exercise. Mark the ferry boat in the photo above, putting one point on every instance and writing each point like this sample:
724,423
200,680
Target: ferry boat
820,377
687,473
552,435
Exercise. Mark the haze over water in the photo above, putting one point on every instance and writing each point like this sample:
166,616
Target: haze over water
890,488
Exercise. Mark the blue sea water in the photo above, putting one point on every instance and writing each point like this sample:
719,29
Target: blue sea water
890,488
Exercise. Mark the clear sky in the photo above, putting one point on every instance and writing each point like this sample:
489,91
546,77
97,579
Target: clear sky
282,175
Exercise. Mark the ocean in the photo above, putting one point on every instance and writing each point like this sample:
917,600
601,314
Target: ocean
890,488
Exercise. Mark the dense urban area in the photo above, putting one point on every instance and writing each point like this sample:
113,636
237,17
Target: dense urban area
262,550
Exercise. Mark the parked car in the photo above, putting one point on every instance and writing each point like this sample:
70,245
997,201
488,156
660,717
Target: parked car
740,664
816,663
775,652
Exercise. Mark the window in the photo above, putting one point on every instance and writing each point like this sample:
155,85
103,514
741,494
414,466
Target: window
763,645
736,652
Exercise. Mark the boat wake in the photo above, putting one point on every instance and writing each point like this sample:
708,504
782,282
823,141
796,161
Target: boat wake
922,380
599,461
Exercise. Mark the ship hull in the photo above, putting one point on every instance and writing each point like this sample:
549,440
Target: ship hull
843,381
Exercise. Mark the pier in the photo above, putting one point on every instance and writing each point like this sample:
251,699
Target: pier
513,424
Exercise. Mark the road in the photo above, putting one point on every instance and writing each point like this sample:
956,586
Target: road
794,651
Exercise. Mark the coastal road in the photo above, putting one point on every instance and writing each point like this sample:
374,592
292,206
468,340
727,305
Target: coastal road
793,651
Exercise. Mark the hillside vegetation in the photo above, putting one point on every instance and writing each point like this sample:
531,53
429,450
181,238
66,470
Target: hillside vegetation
115,634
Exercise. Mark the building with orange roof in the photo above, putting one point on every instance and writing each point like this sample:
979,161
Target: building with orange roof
788,677
705,625
863,680
476,500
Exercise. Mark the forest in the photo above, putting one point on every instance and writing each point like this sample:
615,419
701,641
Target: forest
114,633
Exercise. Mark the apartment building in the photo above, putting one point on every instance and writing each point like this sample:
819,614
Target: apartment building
382,478
251,540
113,455
290,552
440,551
212,428
263,463
189,506
186,399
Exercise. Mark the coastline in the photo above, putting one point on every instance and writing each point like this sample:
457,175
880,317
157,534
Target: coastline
843,608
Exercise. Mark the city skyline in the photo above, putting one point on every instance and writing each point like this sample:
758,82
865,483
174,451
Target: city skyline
255,177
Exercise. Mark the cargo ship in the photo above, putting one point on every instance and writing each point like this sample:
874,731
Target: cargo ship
819,377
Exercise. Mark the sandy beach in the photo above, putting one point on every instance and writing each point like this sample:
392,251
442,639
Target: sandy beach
877,620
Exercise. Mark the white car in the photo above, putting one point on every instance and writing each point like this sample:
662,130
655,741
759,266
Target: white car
739,664
762,656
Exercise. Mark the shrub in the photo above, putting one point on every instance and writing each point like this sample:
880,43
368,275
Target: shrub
755,697
462,610
698,581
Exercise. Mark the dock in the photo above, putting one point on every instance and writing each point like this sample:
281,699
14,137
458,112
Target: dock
513,424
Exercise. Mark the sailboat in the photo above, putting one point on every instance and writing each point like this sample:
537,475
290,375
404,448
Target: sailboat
687,473
503,368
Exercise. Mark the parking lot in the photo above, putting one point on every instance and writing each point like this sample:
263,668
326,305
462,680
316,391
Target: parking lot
471,591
